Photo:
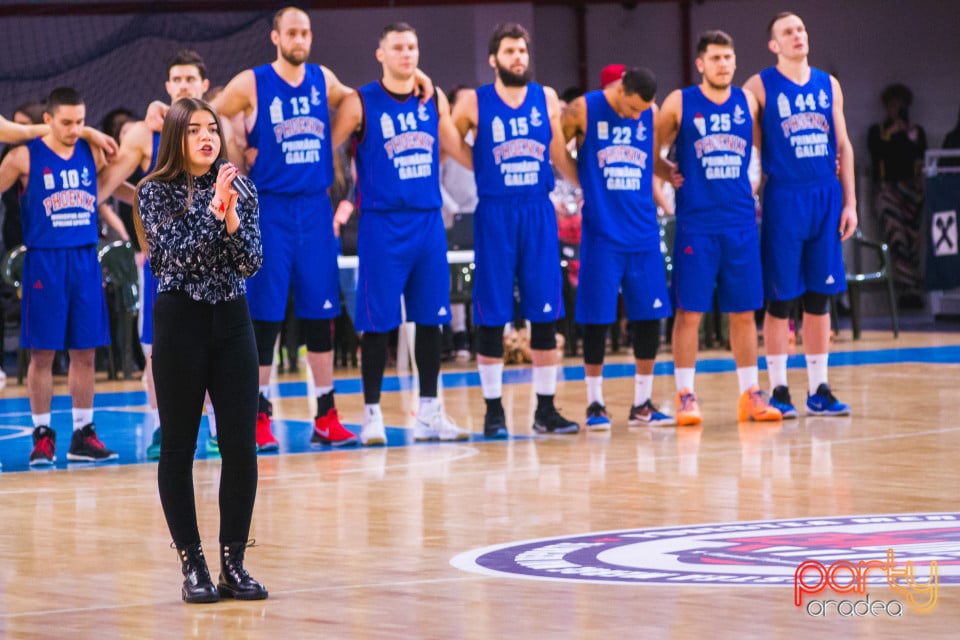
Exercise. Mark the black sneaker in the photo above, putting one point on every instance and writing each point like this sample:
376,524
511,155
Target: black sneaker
495,426
780,399
86,447
44,447
550,421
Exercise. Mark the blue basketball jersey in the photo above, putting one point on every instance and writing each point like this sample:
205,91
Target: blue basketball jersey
59,206
291,133
511,153
155,152
615,166
713,154
398,153
799,142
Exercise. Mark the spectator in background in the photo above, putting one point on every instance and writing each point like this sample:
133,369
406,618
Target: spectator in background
459,191
896,148
952,141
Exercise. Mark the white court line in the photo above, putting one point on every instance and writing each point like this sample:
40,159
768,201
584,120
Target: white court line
274,593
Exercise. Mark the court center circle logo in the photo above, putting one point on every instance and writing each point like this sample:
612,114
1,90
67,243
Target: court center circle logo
756,553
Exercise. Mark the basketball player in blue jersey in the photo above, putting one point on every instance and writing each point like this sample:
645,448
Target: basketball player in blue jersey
517,133
63,304
620,246
402,244
186,78
807,210
286,105
715,128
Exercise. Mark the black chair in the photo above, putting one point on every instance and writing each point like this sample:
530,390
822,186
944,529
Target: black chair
883,276
121,280
12,273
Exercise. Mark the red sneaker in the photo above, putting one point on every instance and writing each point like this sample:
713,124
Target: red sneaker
329,430
265,439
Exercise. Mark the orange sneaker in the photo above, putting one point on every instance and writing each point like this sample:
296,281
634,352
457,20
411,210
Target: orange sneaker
265,439
754,405
688,411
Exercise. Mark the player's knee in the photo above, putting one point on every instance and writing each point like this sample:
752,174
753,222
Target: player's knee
781,309
816,304
265,334
317,335
543,336
646,338
490,341
594,343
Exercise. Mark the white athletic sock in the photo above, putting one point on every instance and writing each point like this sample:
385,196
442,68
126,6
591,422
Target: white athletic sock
642,388
594,389
265,390
429,407
371,411
684,377
777,371
322,391
816,371
40,419
154,419
81,418
491,380
545,380
747,377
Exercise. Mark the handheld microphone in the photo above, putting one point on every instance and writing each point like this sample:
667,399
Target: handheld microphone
243,191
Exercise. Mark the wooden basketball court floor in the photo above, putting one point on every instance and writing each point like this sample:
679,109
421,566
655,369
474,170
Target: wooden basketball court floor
396,542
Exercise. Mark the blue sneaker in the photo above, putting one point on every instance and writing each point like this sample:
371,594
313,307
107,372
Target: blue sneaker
153,450
780,399
648,414
824,403
597,419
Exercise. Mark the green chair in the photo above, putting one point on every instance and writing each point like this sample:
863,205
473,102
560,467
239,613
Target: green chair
12,273
120,278
882,276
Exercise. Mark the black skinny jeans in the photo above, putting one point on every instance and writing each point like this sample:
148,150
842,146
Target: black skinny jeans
199,347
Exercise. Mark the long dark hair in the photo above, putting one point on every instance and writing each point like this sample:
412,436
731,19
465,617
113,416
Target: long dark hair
171,157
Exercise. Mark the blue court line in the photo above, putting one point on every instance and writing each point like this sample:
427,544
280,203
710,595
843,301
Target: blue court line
524,375
121,416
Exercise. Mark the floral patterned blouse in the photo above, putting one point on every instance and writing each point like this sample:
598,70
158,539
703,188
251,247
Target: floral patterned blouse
190,250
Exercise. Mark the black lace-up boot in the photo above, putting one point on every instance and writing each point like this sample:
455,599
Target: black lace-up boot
198,586
235,582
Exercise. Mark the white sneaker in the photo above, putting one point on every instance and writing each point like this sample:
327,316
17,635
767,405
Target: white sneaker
372,433
438,427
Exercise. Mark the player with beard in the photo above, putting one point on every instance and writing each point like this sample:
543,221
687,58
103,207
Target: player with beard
517,134
807,210
717,245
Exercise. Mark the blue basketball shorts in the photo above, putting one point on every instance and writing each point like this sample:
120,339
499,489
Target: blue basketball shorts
726,263
800,240
299,249
516,240
148,294
63,305
607,269
402,254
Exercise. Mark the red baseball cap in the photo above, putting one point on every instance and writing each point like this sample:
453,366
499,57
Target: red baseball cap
611,73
